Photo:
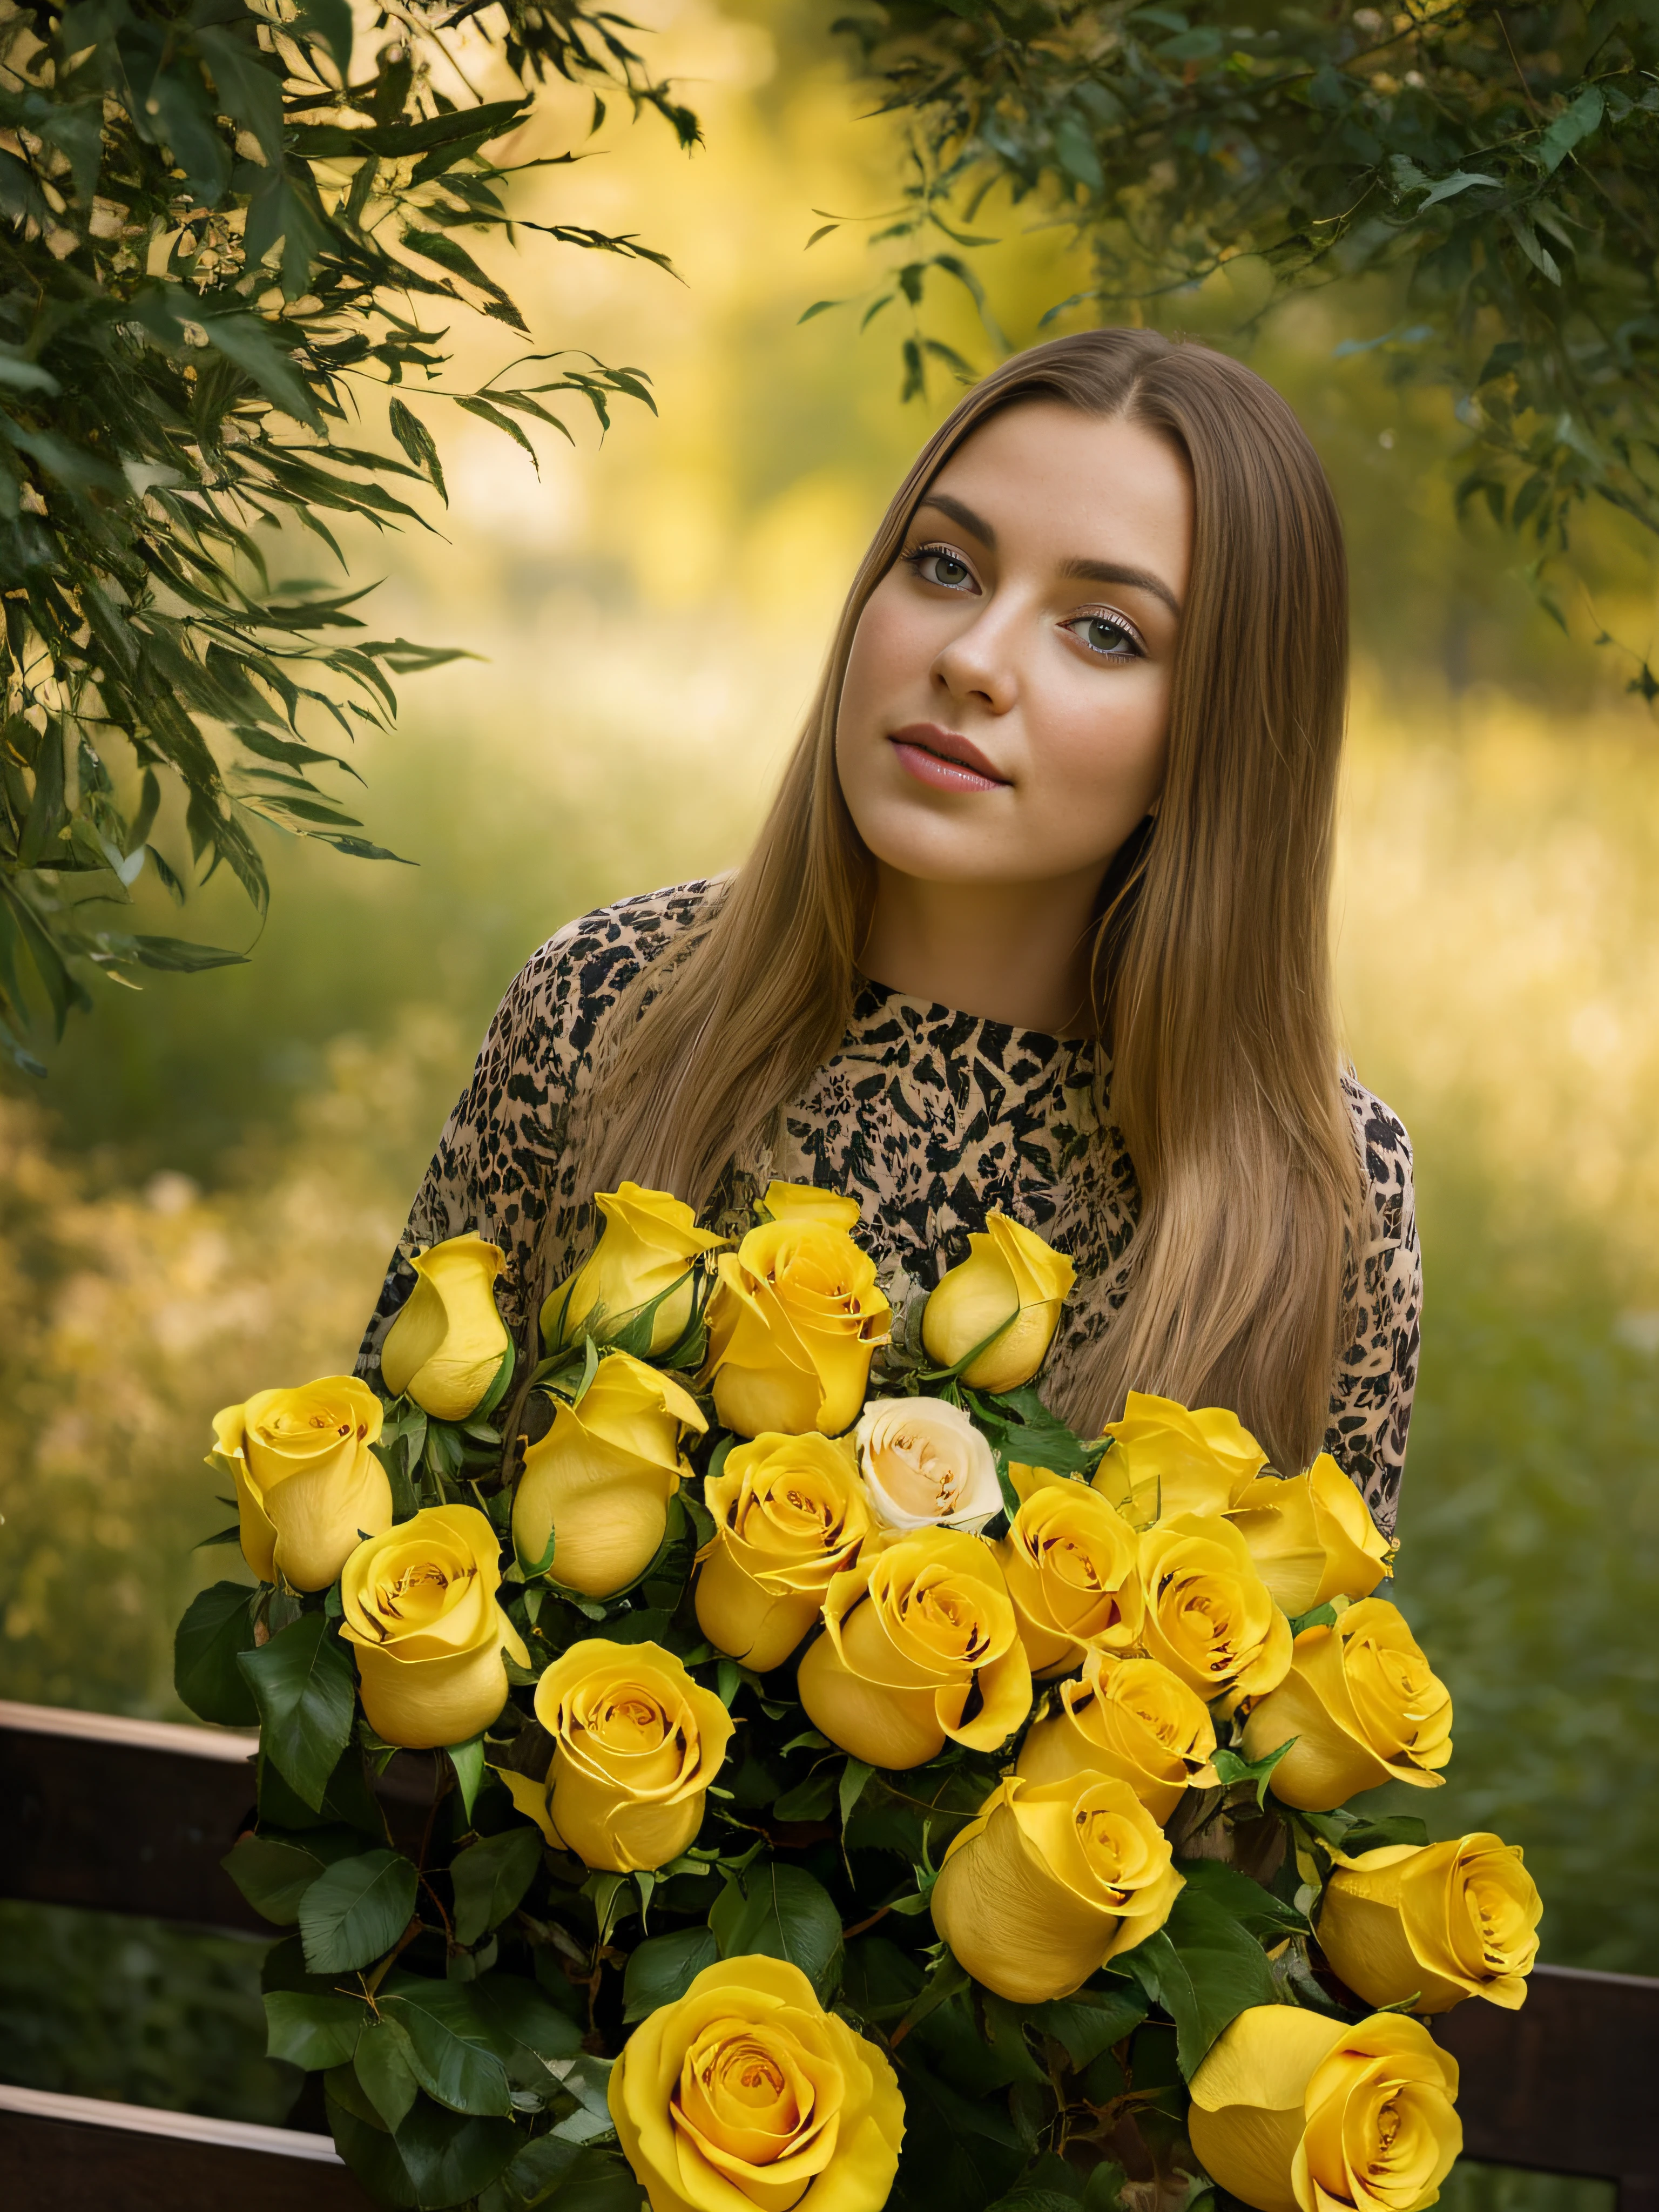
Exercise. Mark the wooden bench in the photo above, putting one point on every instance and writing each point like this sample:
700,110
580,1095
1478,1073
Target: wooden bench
134,1816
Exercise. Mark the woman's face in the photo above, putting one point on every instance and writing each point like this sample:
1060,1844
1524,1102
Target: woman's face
1007,705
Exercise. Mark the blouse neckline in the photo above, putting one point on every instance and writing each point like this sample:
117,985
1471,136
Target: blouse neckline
931,1014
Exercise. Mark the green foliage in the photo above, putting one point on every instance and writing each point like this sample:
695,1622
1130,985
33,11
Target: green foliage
302,1684
1500,166
355,1912
216,1629
226,236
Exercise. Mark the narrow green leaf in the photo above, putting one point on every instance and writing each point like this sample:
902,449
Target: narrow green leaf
216,1629
302,1684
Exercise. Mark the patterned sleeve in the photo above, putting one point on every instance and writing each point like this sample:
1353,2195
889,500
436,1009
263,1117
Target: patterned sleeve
1377,1374
500,1166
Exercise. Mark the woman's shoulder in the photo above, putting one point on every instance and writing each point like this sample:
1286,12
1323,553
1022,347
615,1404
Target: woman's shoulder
583,968
1385,1152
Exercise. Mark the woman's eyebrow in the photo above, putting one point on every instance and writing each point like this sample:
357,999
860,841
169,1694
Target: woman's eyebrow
961,513
1113,572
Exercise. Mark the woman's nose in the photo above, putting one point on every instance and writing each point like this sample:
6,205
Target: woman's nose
980,664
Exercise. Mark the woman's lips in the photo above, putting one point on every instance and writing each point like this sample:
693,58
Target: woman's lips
944,760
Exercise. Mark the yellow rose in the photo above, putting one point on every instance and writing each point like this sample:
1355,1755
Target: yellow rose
636,1743
1364,1706
926,1465
1209,1617
1166,1460
1437,1921
597,1486
648,1247
449,1347
420,1606
308,1488
1010,1288
1312,1538
1292,2111
788,1515
912,1635
805,1201
1072,1571
1128,1717
793,1323
746,2092
1050,1880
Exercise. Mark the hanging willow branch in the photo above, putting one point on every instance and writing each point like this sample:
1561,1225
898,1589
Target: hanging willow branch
222,225
1500,163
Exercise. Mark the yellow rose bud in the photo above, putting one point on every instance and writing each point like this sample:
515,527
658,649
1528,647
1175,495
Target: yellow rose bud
1073,1568
926,1465
648,1247
792,1324
746,2092
447,1348
1209,1616
420,1606
1166,1460
1312,1538
1364,1706
1131,1718
597,1486
788,1515
1010,1288
1437,1921
1292,2111
910,1635
308,1488
636,1743
1050,1880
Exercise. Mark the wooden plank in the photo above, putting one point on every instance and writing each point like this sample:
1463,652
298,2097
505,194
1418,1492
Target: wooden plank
1564,2085
74,2154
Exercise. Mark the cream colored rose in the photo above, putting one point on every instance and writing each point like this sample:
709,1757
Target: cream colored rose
597,1486
926,1465
308,1487
1050,1880
745,2093
636,1743
648,1248
1364,1706
420,1607
793,1322
449,1349
1166,1460
1437,1921
1131,1718
1009,1289
1209,1616
914,1636
1292,2111
789,1515
1072,1564
1312,1538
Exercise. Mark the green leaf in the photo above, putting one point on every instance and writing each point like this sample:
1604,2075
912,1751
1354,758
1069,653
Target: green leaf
468,1760
354,1914
1248,1902
1570,128
273,1876
1090,2022
780,1911
216,1629
1258,1773
1203,1969
364,2142
576,2178
450,2047
314,2033
490,1879
385,2070
523,2023
663,1968
302,1684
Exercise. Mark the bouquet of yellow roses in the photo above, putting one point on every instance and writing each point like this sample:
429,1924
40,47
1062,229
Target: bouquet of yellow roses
768,1763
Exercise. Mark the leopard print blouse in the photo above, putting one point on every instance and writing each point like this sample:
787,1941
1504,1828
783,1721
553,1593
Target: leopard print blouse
931,1118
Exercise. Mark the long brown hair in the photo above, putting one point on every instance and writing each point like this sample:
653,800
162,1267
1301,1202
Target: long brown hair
1212,958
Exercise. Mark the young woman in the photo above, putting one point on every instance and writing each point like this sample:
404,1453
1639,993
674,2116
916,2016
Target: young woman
1038,920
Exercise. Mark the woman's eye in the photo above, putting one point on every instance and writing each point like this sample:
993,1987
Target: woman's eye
935,566
1112,639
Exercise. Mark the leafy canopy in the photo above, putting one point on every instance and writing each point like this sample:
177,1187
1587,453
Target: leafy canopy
220,227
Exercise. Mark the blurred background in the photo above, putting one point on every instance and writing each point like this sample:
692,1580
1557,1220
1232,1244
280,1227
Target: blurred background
200,1200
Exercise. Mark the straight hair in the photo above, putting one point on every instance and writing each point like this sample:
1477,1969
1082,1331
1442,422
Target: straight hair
1211,963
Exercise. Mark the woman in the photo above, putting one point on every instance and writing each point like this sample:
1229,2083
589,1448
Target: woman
1038,920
